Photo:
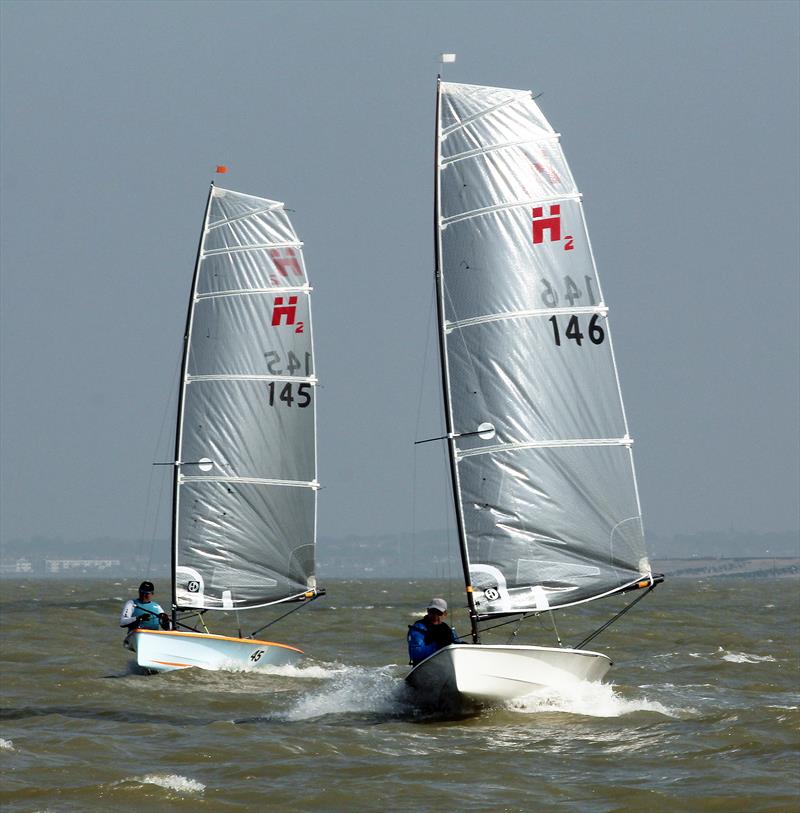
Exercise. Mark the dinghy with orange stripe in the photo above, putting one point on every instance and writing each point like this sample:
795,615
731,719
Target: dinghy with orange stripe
175,633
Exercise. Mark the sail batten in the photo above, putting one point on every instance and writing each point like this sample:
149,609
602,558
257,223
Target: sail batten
495,147
255,291
198,478
500,207
310,379
256,247
216,224
600,310
545,444
519,96
544,484
244,527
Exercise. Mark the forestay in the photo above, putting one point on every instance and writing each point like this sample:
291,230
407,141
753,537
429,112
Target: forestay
546,492
245,490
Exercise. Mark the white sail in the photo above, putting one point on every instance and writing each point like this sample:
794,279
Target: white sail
542,464
244,521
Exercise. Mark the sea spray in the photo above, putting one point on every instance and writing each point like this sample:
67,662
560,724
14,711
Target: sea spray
587,699
353,689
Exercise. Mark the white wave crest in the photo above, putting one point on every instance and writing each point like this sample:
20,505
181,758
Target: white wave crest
588,699
174,781
318,670
744,657
6,745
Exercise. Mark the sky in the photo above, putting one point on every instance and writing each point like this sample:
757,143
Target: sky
680,124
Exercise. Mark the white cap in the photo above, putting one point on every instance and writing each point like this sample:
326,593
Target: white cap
437,604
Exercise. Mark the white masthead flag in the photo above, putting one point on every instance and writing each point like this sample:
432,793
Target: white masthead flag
448,57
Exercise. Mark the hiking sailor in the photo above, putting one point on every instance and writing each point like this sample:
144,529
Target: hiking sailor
431,633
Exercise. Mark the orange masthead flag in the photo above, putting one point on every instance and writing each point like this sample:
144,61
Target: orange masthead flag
221,169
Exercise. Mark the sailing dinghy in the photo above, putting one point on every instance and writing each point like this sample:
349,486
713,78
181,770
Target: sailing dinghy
546,502
245,471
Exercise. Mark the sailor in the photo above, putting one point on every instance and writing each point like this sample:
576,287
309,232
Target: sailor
142,613
431,633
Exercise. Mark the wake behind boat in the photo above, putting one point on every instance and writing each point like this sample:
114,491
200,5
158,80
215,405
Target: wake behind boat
245,471
546,502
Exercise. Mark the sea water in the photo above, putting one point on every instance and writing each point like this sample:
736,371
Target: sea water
701,711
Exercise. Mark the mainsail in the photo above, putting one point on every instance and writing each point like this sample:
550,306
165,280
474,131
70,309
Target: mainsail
244,521
545,489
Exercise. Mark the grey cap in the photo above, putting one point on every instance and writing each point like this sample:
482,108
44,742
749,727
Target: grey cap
437,604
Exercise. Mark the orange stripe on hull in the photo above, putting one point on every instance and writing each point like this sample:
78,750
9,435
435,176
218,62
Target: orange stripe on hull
169,663
254,641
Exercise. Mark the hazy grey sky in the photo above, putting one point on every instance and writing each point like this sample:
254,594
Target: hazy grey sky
680,123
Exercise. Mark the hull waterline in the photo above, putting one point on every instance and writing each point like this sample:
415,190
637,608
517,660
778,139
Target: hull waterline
168,650
486,675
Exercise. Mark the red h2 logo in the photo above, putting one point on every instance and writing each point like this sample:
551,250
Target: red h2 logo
551,224
283,264
281,311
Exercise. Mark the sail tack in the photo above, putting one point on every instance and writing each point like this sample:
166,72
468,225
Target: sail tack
546,492
245,507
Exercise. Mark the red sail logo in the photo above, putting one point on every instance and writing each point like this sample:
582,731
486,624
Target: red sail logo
286,262
281,312
550,224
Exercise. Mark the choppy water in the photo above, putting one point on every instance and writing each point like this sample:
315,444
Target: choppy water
702,713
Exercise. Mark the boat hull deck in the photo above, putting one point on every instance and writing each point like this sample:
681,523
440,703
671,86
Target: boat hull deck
484,675
168,650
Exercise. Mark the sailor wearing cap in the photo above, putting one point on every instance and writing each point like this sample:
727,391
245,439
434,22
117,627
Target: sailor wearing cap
143,613
431,633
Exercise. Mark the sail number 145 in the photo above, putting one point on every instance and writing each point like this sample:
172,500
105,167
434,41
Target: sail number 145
289,393
573,331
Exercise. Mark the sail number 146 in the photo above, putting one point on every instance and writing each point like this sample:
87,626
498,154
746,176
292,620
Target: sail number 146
573,331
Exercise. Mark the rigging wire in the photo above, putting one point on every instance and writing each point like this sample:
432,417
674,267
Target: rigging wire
169,408
425,354
515,631
293,610
614,618
588,638
180,622
555,628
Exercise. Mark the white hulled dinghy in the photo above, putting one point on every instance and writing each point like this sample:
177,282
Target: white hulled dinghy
546,502
245,471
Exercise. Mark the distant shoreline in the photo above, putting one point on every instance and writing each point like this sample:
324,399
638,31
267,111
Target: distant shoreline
683,568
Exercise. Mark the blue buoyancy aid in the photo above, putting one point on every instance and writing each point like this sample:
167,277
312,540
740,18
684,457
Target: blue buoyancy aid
150,608
424,639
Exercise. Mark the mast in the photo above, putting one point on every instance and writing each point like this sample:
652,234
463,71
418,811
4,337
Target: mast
448,415
181,398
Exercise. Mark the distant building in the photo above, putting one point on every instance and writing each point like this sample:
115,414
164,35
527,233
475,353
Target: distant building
18,566
82,565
